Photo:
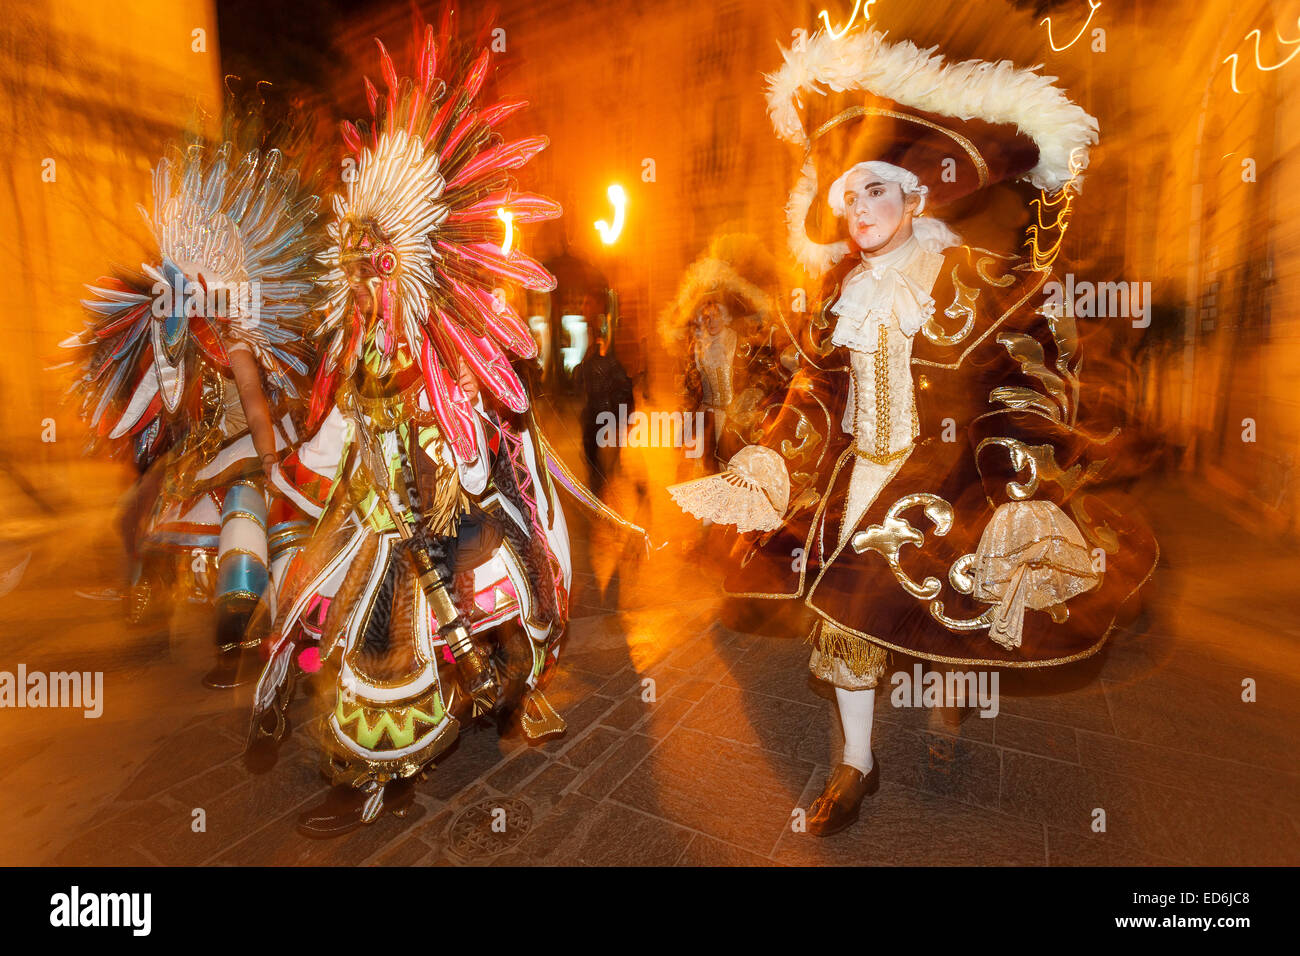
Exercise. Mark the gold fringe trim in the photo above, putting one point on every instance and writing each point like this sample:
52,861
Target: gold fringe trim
864,658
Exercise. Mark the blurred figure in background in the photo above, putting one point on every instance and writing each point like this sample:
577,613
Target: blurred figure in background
715,357
726,327
606,391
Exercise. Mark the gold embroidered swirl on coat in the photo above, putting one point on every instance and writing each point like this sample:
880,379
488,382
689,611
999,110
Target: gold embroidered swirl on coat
894,531
962,307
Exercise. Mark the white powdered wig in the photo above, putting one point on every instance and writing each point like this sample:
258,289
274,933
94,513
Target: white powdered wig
819,258
994,92
885,173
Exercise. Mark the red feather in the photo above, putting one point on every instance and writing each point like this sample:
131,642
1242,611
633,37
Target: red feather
114,284
439,120
505,324
454,415
458,134
505,156
209,341
390,75
523,207
372,96
477,74
444,28
322,396
497,112
530,207
519,267
483,210
489,363
126,319
351,137
428,60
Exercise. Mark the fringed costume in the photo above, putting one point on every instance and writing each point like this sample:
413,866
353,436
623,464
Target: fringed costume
436,584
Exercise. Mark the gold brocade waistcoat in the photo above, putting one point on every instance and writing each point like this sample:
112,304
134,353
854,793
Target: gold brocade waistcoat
884,403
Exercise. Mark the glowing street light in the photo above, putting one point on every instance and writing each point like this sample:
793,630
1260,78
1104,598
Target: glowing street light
1092,8
825,18
609,234
1256,33
508,218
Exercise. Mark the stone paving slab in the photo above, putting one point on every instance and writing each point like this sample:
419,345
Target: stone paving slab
900,826
696,733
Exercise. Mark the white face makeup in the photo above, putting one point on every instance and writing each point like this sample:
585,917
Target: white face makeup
878,215
715,317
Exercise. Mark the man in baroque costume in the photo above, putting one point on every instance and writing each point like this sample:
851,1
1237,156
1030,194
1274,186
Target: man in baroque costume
942,494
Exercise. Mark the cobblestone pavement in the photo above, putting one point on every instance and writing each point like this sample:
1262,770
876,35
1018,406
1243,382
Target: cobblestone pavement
695,731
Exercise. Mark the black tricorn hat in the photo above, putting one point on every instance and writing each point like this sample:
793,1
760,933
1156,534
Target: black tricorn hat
959,128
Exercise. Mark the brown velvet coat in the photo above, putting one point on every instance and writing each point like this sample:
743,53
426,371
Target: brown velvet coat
1000,401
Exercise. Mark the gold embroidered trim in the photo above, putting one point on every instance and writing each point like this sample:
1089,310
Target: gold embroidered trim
280,537
881,370
883,459
1036,286
247,515
241,593
986,661
962,307
229,552
386,412
819,517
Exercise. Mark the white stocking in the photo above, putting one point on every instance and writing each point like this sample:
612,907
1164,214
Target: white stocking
857,708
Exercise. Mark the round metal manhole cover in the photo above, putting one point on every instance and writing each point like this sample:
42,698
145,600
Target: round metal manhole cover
489,827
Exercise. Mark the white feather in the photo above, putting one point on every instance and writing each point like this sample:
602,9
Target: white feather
817,258
994,92
144,393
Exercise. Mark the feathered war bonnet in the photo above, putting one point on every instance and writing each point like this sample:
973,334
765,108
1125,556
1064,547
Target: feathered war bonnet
958,127
426,213
232,262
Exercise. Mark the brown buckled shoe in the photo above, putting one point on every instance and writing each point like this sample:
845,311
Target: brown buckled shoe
841,799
